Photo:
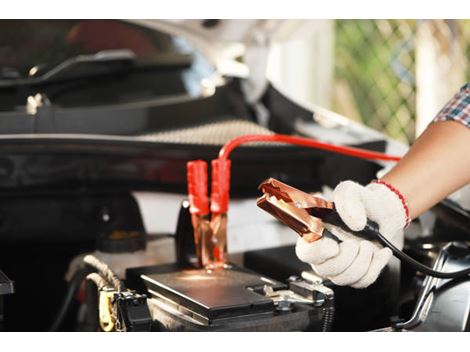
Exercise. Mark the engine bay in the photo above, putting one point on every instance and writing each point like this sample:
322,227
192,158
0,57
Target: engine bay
71,209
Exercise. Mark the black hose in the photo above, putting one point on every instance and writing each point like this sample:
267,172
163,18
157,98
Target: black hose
371,232
91,302
72,289
372,229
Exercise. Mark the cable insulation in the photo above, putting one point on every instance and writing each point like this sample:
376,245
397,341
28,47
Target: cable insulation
72,288
372,229
304,142
108,274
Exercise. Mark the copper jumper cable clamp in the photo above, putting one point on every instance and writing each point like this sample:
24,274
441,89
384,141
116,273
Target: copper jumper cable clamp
302,212
199,209
209,222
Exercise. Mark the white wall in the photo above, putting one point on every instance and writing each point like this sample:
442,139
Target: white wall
303,65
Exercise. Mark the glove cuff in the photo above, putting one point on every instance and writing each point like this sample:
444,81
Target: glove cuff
397,214
400,197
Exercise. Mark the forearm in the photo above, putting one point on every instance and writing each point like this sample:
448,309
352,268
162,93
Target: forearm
437,165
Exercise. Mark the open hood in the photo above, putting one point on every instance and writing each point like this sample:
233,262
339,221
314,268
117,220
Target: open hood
237,48
241,48
224,41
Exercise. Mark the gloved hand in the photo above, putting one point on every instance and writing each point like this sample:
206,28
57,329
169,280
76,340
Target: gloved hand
357,262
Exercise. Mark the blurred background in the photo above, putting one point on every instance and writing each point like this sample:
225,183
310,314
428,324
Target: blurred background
392,75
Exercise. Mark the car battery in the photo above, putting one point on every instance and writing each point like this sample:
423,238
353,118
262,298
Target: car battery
229,299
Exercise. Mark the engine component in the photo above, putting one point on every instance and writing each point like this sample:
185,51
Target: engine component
312,287
106,311
355,309
72,288
123,311
6,288
185,247
216,133
105,272
119,309
443,304
123,249
133,312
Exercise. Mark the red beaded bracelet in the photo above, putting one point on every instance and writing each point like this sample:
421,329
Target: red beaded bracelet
400,196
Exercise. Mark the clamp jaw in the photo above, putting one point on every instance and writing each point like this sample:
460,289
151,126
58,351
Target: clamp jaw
301,211
306,214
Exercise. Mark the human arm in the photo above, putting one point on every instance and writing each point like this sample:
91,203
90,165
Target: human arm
435,166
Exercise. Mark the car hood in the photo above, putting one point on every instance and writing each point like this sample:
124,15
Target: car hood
224,42
240,47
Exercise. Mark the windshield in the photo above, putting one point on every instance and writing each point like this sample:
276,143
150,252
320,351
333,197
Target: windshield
34,47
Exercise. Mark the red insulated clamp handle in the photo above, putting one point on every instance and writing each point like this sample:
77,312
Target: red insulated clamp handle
220,191
197,187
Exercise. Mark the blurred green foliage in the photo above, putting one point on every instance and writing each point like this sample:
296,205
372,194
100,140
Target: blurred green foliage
375,61
375,72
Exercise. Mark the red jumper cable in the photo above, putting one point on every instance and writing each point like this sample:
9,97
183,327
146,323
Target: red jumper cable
220,190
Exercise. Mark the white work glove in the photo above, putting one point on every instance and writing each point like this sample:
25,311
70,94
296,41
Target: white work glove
357,262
